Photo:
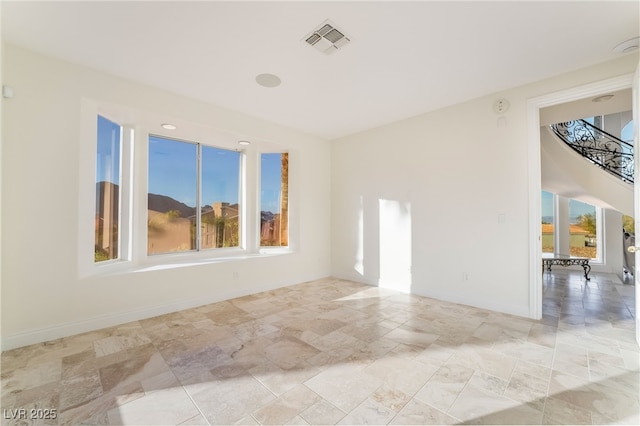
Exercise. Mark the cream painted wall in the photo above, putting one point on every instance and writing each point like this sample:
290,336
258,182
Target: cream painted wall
463,171
43,296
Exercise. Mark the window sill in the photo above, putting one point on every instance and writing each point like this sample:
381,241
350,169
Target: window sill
184,260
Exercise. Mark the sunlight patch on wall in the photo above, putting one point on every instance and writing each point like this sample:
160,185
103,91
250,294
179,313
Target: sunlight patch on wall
395,245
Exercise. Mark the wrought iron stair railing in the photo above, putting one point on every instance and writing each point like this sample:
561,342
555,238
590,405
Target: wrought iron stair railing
599,147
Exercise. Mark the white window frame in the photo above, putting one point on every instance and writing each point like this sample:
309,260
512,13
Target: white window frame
121,247
271,249
600,237
198,207
137,126
87,191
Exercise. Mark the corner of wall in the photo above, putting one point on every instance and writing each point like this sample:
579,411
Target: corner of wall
1,102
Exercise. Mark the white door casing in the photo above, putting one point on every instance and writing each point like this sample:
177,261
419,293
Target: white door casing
534,106
636,188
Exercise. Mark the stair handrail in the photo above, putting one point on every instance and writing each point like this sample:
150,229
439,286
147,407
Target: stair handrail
599,147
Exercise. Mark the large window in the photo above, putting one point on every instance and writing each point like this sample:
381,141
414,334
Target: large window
183,194
548,222
193,196
274,200
583,230
107,207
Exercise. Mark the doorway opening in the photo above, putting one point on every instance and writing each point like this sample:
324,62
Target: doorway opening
534,107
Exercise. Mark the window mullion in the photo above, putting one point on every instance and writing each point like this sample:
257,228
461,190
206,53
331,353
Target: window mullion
126,192
198,198
600,246
140,187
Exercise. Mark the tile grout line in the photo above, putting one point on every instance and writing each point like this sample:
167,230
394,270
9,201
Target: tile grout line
194,403
180,382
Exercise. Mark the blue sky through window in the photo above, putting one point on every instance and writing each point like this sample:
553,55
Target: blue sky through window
627,132
108,158
270,180
173,169
577,208
173,172
220,175
547,204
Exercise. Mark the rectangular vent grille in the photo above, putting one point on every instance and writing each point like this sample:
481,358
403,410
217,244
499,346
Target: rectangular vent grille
324,29
327,38
314,39
333,36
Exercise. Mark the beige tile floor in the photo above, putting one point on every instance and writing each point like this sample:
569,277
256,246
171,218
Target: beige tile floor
337,352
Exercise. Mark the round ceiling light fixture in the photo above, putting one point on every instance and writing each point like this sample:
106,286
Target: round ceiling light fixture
244,143
628,46
603,98
268,80
168,126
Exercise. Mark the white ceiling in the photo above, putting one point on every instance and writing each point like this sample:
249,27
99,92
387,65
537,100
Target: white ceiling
404,59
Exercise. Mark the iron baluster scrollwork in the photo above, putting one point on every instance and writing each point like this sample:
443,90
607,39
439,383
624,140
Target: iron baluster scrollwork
601,148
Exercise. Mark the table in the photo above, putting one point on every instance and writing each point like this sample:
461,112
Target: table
549,259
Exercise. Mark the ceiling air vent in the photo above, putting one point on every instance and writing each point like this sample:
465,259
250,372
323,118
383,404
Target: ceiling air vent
327,38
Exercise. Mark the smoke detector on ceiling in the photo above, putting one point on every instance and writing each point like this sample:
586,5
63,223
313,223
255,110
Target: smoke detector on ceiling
327,38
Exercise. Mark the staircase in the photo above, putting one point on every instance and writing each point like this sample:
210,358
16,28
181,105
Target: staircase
567,173
599,147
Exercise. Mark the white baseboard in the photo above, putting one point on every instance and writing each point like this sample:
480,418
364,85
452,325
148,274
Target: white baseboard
521,311
357,278
58,331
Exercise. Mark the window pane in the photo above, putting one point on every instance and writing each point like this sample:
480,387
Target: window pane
628,240
220,224
582,230
626,134
548,242
172,195
274,200
628,224
107,211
